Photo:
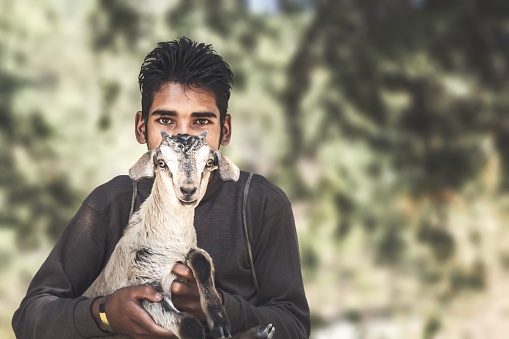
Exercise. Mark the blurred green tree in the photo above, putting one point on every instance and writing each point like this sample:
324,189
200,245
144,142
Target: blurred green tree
38,205
416,89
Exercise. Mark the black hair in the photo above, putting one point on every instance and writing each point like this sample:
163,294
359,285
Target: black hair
188,63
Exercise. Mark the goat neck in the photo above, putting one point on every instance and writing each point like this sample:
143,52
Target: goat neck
165,216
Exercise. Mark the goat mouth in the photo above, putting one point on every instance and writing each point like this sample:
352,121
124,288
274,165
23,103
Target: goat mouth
187,203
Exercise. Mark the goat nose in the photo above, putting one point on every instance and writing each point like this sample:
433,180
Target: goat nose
187,190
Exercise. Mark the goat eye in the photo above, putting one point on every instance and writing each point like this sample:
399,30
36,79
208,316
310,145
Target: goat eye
161,163
210,162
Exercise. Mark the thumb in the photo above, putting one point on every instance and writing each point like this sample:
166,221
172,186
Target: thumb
149,293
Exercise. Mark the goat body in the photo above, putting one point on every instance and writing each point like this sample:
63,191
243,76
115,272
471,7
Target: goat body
161,233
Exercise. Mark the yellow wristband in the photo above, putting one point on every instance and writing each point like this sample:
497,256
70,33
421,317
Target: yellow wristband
102,314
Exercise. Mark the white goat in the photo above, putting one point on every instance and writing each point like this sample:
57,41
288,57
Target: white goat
161,233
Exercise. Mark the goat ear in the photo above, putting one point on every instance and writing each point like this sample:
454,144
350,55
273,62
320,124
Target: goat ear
227,169
144,167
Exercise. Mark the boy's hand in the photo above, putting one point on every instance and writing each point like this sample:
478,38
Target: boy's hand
126,315
186,296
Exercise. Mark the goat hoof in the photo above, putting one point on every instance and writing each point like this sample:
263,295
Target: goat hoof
221,332
265,332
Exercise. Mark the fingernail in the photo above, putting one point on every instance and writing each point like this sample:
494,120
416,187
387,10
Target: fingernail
158,295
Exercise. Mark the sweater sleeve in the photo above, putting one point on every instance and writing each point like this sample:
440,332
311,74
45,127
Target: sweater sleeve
54,306
281,301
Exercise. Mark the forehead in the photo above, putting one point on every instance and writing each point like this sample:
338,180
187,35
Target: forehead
182,98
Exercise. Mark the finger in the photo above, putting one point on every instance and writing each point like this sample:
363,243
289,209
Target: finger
148,328
187,290
139,293
130,317
183,270
145,292
190,306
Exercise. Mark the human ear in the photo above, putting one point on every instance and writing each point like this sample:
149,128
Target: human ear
140,128
227,131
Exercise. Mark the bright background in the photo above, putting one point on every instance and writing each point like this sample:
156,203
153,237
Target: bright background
385,121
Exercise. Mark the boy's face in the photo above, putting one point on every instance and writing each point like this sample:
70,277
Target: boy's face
177,109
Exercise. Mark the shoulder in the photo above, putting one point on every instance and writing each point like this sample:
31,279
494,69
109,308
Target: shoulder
261,187
263,195
269,210
117,190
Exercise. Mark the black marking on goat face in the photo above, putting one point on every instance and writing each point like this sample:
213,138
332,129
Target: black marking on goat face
187,144
187,166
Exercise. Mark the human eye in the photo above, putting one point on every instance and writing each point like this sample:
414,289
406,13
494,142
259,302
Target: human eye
164,121
202,122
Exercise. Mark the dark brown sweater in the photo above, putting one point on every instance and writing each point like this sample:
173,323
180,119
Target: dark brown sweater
54,307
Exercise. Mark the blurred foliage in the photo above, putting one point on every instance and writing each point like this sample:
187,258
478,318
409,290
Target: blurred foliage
32,207
385,122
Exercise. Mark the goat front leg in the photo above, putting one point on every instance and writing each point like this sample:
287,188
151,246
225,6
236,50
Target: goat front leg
200,263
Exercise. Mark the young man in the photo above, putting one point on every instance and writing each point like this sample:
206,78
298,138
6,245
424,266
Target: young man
185,89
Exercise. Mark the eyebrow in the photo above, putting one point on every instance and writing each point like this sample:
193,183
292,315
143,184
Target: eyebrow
194,114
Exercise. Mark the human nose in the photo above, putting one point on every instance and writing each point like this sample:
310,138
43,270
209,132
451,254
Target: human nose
182,128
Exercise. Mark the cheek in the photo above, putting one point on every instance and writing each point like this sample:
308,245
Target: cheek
154,138
213,139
